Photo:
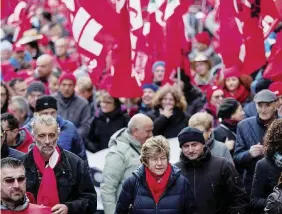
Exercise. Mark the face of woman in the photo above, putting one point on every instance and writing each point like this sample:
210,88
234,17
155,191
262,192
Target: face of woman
107,104
232,83
3,96
202,68
168,101
217,98
158,164
239,114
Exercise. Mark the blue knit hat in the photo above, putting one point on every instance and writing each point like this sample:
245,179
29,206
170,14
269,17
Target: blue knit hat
156,64
153,87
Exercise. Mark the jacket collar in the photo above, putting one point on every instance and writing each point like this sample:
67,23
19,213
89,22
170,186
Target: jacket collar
198,162
63,164
140,174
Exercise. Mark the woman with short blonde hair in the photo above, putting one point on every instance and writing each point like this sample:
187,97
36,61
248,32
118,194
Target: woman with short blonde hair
146,191
168,114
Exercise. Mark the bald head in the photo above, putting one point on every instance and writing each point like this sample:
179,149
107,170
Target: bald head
141,126
44,65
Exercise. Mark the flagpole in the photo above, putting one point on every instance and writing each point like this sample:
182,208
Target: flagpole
178,77
201,22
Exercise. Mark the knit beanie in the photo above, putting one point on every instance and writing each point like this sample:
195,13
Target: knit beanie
231,72
189,134
156,64
203,38
35,86
67,76
262,84
227,108
45,102
153,87
210,91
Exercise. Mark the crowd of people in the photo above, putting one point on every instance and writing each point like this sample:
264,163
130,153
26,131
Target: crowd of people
228,126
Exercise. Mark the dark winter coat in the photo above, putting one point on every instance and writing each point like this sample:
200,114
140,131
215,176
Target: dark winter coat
75,109
250,109
195,100
74,184
69,139
249,132
274,201
103,127
217,186
265,179
168,127
177,198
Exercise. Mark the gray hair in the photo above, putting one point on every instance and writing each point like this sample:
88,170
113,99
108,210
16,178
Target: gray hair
21,102
44,119
11,162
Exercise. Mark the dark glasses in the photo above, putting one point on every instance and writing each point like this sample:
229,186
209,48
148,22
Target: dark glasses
11,180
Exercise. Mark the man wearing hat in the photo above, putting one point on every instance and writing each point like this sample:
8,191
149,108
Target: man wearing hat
215,182
250,133
69,138
149,91
71,106
34,91
158,70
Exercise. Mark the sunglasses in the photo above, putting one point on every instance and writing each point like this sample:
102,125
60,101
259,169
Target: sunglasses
11,180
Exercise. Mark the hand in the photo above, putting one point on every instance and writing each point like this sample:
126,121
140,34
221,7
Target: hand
230,144
59,209
256,150
167,112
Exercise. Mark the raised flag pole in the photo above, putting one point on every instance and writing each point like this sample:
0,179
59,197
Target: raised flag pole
178,78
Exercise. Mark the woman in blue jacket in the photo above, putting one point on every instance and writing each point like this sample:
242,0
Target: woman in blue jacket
156,186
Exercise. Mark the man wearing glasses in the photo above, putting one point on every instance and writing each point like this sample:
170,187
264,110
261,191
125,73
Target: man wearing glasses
6,151
13,190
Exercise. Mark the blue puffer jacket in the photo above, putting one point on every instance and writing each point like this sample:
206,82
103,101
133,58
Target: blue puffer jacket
249,132
69,138
177,198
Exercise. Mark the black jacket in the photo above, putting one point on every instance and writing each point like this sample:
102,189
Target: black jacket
74,184
274,201
177,198
265,179
168,127
217,186
9,152
103,127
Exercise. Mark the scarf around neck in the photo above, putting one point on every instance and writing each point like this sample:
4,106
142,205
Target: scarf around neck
48,192
157,187
241,94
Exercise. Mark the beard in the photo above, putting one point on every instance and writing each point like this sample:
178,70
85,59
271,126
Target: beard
16,201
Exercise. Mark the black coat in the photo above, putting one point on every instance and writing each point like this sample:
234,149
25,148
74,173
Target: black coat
168,127
177,198
103,127
217,186
249,132
74,184
265,179
9,152
274,201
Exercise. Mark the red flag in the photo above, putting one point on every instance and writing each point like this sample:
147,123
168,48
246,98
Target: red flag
124,83
274,67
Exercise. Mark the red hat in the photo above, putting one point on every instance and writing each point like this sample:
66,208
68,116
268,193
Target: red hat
19,49
231,72
276,87
203,38
67,76
210,91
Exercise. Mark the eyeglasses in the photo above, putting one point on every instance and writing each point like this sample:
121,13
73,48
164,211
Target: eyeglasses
11,180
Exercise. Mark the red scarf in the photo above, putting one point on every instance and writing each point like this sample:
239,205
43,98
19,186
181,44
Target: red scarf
241,94
48,193
157,188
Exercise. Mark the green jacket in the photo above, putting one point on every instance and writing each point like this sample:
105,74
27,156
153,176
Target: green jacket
122,159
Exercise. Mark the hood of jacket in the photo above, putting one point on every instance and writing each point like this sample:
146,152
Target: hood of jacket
123,136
